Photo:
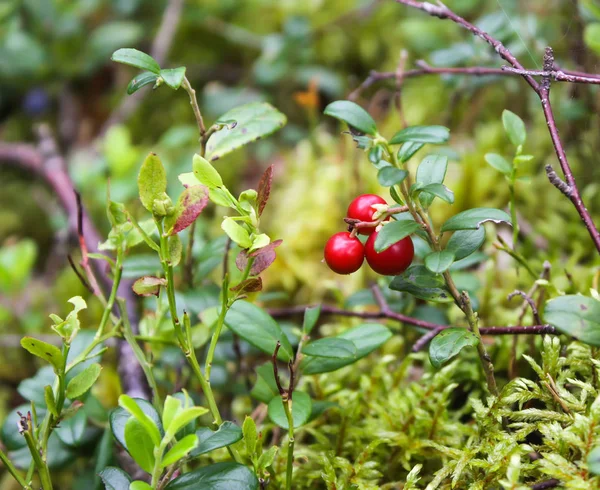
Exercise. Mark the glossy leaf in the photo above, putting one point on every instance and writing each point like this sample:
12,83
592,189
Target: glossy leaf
499,163
205,173
228,433
114,478
437,190
265,387
138,59
393,232
258,328
472,219
190,204
431,170
421,283
301,410
152,181
463,243
173,77
575,315
183,418
422,134
139,444
389,176
311,316
514,127
132,406
366,337
219,476
448,343
408,149
83,382
331,347
141,80
353,115
250,434
139,485
172,408
236,232
243,125
439,262
180,450
48,352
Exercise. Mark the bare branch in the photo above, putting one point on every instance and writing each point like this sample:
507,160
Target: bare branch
529,300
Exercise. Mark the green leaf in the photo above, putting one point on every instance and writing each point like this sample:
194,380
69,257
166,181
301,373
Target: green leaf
499,163
301,410
353,115
71,430
81,383
152,181
219,476
431,170
190,204
50,401
141,80
205,173
182,419
422,283
408,149
139,485
180,450
366,337
236,232
250,435
48,352
69,328
265,387
173,77
133,57
119,417
437,190
139,444
448,343
148,285
331,347
593,461
471,219
393,232
243,125
267,458
575,315
256,327
514,127
439,262
172,407
389,176
311,316
131,405
422,134
228,433
463,243
188,179
114,478
175,250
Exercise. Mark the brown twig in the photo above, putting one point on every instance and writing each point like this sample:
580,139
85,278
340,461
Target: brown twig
555,75
542,89
81,277
425,339
528,300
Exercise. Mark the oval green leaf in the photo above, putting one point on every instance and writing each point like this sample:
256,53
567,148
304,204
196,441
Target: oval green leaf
408,149
353,115
205,173
448,343
48,352
393,232
439,262
389,176
173,77
499,163
114,478
152,181
422,283
301,410
138,59
81,383
514,127
422,134
431,170
575,315
472,219
139,444
331,347
228,433
219,476
258,328
463,243
143,79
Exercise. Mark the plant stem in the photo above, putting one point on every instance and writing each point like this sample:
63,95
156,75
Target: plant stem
513,212
157,470
41,466
461,299
12,470
197,114
287,406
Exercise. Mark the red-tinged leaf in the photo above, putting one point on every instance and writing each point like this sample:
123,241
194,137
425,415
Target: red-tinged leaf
148,285
264,189
252,285
189,206
263,258
266,248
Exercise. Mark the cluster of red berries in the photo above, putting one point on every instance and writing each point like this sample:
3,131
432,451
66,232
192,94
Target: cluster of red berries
345,253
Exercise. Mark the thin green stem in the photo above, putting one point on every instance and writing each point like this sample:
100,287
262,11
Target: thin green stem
41,466
157,470
513,213
287,406
219,326
12,469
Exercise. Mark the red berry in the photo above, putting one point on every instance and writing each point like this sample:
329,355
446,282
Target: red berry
393,260
344,253
361,209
